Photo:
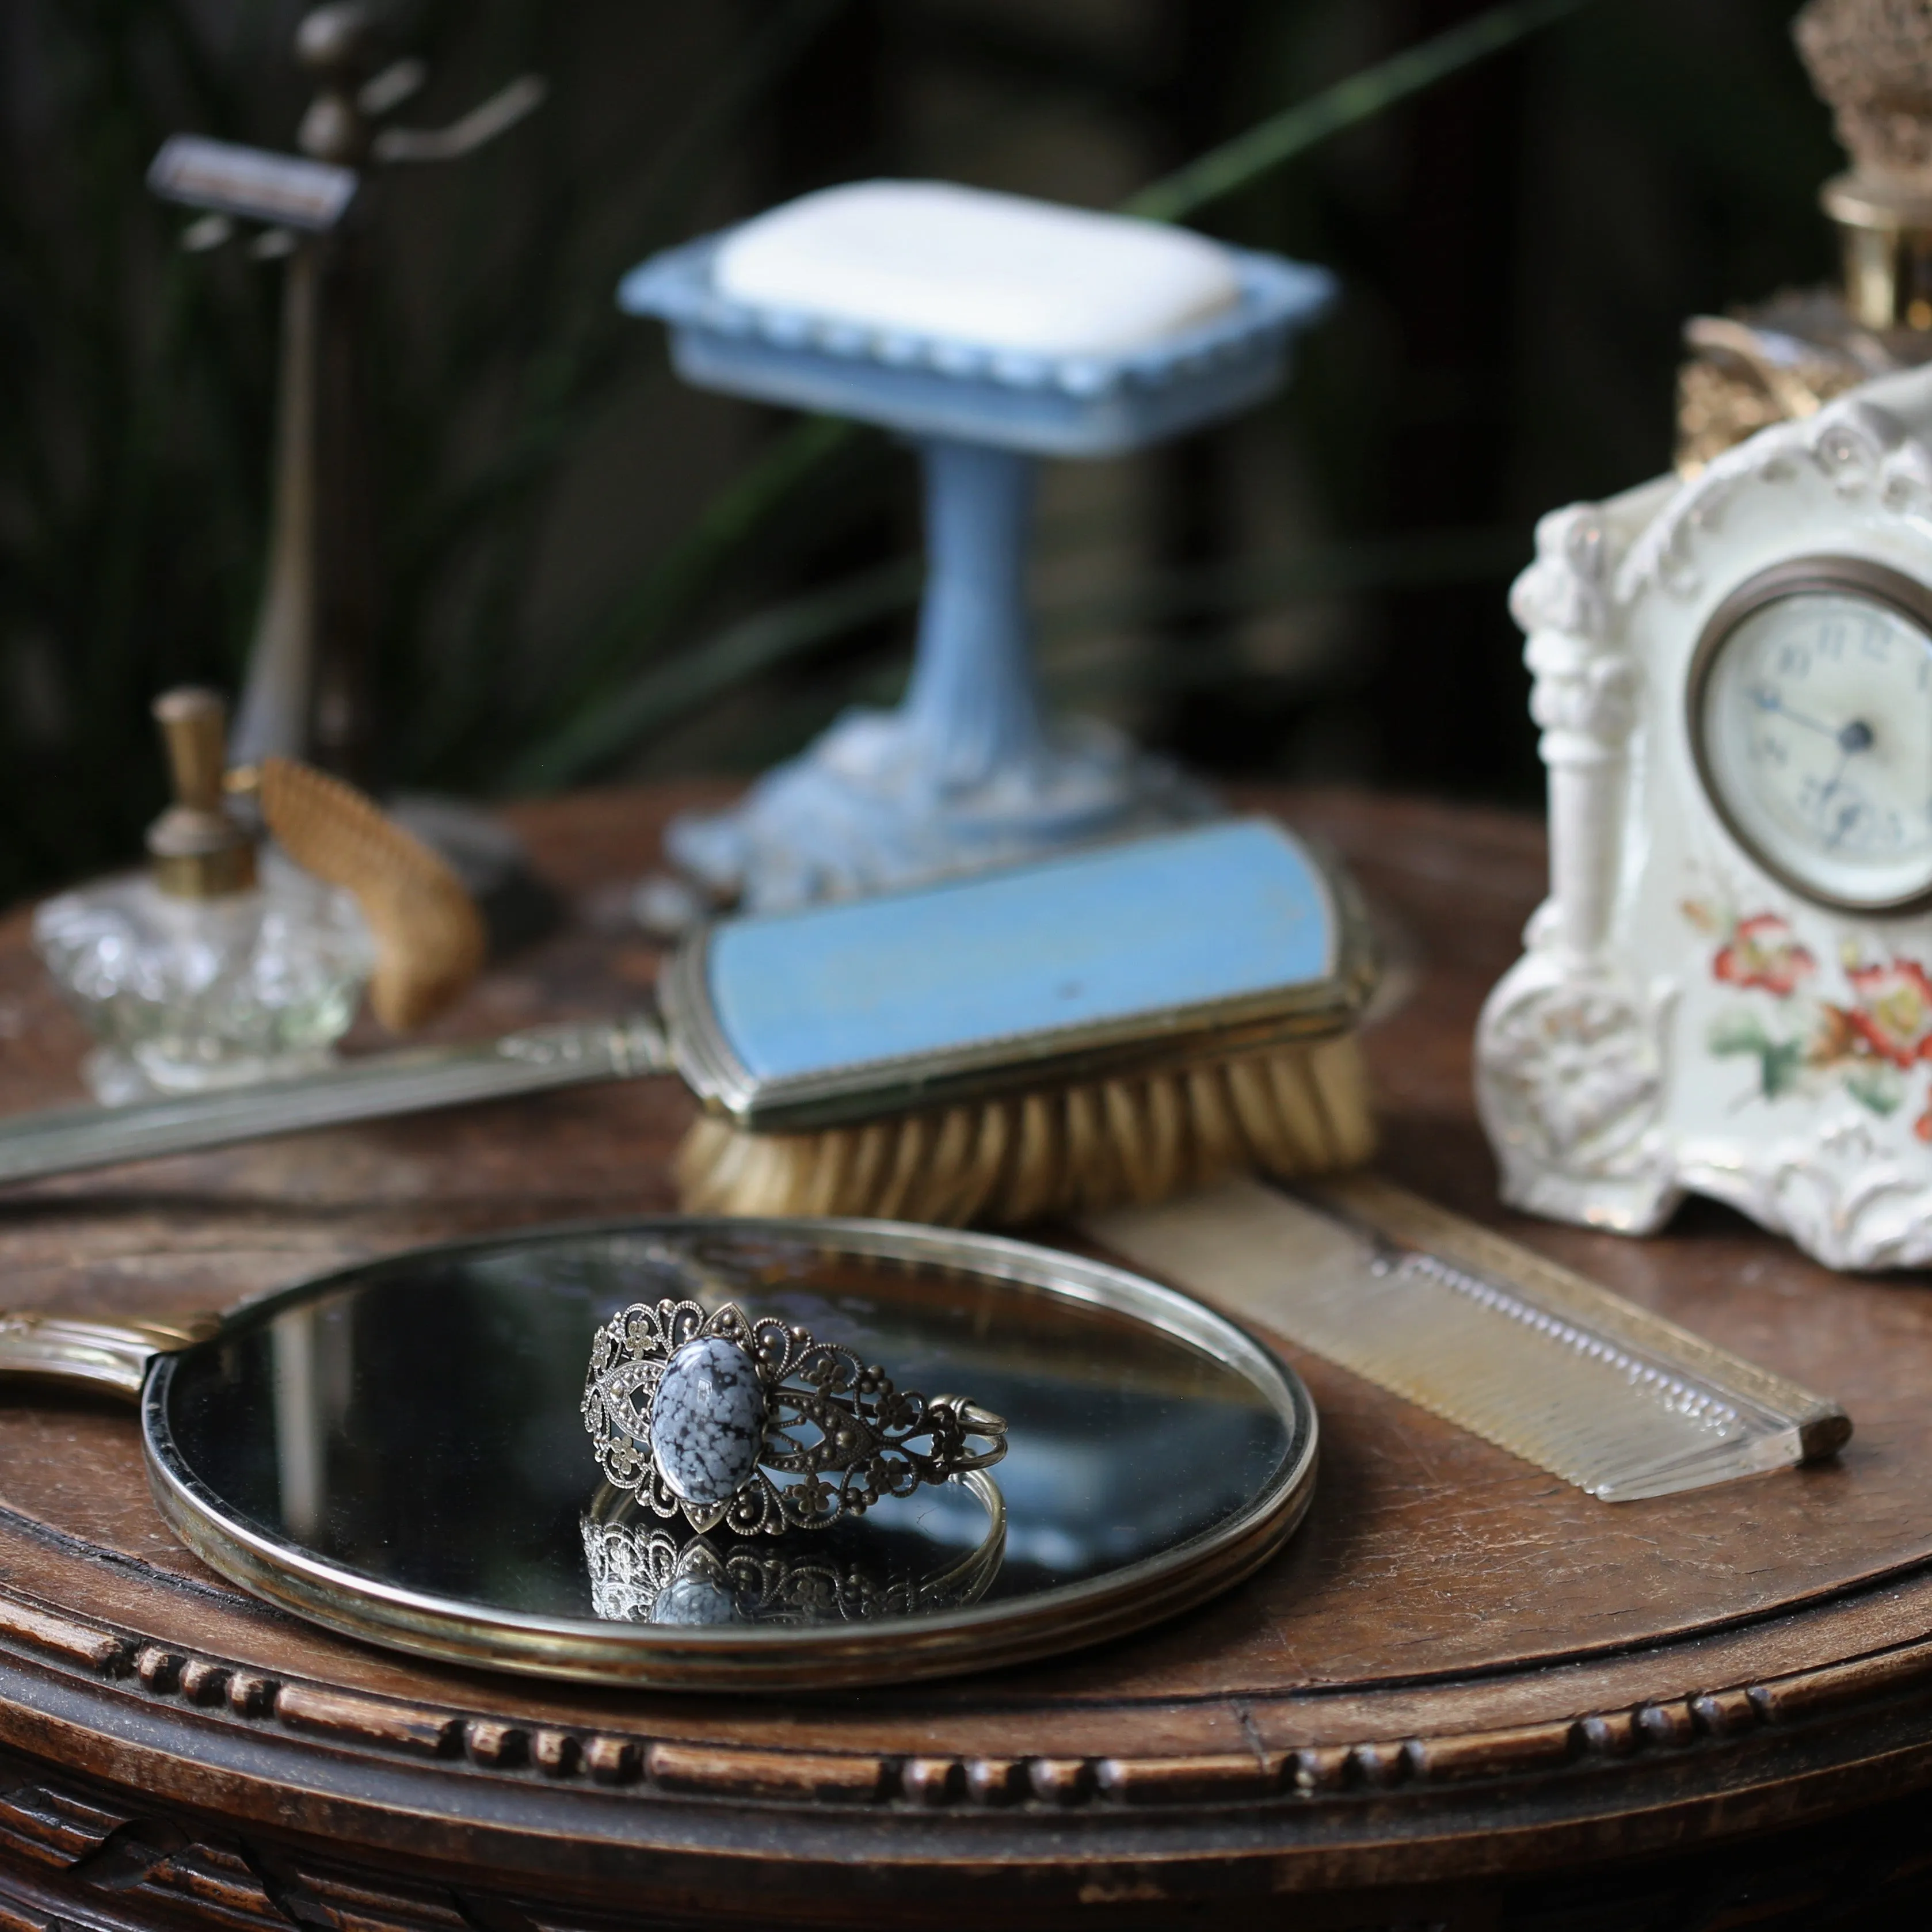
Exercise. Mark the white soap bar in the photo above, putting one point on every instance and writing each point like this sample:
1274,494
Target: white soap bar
997,271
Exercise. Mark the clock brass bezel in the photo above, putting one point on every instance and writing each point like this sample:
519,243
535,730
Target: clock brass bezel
1907,596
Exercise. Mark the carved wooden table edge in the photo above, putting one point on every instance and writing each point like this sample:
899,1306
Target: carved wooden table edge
55,1659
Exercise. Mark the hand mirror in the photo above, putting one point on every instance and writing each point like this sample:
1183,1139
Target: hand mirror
399,1451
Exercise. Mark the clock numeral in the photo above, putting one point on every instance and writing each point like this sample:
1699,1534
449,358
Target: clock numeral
1794,660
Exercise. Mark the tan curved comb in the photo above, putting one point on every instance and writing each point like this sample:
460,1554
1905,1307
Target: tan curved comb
430,939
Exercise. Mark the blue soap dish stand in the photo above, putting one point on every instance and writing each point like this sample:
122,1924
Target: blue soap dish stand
968,772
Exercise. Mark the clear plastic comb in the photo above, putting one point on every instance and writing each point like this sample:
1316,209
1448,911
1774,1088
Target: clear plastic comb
1512,1347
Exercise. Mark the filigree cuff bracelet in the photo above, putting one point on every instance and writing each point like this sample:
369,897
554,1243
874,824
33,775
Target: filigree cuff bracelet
754,1425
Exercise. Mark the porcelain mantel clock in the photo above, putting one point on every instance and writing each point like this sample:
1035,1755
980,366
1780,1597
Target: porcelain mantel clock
1728,990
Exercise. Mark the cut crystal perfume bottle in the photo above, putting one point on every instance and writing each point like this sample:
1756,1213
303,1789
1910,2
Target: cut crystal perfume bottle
207,970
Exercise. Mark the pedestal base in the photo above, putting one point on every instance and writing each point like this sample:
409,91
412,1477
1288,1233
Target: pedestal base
862,811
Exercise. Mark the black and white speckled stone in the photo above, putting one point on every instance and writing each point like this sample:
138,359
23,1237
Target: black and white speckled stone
708,1420
695,1600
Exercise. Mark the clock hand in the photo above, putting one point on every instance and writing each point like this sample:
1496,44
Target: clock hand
1831,783
1856,737
1770,701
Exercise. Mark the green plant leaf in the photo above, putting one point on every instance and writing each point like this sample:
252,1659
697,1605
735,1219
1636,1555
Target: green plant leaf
1235,164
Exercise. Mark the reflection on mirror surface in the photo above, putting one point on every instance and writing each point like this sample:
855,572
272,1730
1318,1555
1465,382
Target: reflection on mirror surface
416,1422
642,1572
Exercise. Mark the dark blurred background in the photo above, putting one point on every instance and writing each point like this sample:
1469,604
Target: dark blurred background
591,573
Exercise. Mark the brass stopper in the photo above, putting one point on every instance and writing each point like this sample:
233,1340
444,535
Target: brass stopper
1871,61
1885,233
199,852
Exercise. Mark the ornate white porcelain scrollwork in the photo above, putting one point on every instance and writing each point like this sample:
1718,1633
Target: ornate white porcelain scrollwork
1682,1019
1569,1066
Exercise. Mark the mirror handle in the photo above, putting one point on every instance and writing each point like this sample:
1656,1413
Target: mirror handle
111,1358
375,1087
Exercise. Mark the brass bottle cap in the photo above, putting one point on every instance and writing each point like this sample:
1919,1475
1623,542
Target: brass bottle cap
199,851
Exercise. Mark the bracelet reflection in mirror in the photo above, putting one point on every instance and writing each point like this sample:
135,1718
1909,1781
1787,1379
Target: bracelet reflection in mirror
642,1572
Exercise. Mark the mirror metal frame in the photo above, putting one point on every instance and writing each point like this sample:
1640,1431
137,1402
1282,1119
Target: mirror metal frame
768,1658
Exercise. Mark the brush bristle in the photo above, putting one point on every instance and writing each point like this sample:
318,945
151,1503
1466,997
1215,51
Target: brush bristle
430,939
1292,1110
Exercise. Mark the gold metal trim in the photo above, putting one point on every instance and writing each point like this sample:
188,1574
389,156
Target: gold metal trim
112,1356
1907,596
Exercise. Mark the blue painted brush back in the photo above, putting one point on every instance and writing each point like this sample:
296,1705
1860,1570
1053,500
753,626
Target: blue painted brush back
1207,914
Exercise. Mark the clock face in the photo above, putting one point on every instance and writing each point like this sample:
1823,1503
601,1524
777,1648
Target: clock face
1810,699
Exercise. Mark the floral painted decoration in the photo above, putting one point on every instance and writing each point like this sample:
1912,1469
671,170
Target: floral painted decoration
1893,1013
1869,1043
1761,952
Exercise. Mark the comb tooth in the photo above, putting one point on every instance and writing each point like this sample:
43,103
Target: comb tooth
1751,1454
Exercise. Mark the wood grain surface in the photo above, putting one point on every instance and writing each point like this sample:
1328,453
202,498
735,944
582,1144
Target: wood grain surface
1465,1683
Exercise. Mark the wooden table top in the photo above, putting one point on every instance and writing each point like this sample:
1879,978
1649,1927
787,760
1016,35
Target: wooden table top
1463,1670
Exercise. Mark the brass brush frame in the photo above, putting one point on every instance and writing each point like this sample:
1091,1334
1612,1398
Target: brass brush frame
1311,1011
